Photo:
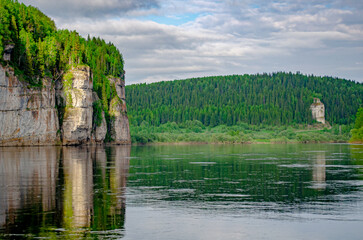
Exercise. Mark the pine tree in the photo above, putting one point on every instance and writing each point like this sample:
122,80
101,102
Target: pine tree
40,58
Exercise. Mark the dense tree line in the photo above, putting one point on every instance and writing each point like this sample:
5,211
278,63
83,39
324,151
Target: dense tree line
272,99
40,50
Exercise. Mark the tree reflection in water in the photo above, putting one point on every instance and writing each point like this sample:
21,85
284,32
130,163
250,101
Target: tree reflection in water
79,192
63,191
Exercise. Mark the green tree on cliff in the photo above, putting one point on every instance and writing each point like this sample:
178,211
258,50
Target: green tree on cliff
40,49
40,58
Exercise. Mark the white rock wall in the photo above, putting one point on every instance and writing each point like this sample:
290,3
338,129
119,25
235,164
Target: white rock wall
77,121
120,131
27,115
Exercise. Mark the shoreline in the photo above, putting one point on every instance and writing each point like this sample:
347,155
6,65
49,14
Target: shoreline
231,143
182,144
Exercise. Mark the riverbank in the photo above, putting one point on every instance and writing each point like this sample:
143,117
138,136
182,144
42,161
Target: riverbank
195,133
230,143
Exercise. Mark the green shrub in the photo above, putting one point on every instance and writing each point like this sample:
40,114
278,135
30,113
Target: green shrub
67,86
173,132
97,113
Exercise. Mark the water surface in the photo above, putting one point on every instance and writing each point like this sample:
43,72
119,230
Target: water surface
294,191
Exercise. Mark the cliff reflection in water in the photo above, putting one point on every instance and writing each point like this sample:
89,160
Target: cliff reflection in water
64,188
27,180
319,171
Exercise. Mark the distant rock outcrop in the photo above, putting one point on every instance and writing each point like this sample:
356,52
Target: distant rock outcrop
318,111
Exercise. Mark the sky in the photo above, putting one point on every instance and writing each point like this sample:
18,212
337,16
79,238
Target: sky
176,39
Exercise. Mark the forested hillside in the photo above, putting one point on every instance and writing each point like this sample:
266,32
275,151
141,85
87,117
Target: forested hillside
38,49
269,99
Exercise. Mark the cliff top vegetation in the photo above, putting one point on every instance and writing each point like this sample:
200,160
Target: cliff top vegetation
37,49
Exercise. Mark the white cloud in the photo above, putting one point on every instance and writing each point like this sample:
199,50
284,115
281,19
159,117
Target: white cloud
73,9
227,37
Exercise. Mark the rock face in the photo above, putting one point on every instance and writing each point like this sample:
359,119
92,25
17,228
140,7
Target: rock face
76,95
7,52
120,131
60,114
27,115
318,110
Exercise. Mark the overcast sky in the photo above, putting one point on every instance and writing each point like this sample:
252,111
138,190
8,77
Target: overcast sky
167,40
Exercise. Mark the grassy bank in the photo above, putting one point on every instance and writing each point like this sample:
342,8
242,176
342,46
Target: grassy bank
195,131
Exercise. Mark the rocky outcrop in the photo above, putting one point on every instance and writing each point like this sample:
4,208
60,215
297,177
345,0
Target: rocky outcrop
75,96
27,115
7,52
119,84
318,111
62,113
119,123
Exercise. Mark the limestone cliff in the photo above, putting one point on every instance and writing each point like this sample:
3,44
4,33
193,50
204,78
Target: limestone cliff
75,97
27,115
60,113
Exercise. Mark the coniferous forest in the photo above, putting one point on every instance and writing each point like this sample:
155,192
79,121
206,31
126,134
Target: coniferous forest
243,108
39,49
270,99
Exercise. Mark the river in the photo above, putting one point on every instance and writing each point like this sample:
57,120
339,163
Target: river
269,191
